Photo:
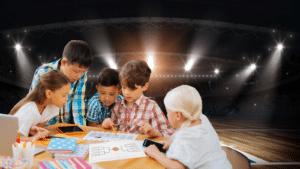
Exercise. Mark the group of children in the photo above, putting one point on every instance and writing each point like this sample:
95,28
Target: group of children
57,94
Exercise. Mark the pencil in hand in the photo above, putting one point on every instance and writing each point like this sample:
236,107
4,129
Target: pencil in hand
112,126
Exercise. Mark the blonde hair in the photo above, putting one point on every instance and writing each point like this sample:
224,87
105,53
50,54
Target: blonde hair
187,100
52,80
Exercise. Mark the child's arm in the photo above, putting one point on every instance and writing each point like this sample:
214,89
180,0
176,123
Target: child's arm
107,123
94,112
93,124
160,122
42,124
152,151
146,128
37,133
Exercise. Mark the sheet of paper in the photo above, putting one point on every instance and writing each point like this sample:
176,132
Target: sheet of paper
114,150
108,136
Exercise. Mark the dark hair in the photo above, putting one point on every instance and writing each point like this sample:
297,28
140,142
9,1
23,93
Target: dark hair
52,80
108,77
78,51
135,72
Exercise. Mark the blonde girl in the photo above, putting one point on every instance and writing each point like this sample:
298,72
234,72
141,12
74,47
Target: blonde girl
195,144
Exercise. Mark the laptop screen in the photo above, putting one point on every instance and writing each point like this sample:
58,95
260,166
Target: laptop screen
9,126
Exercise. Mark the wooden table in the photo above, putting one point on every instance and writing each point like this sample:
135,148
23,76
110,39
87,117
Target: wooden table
142,162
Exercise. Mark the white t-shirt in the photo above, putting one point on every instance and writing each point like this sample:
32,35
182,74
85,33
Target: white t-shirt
199,147
29,116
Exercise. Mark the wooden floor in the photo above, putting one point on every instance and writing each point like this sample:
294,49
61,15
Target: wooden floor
272,140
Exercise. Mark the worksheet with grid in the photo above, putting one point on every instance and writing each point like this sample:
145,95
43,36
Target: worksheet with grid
114,150
108,136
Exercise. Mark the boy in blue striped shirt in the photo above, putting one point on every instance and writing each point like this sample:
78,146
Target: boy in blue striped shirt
76,59
108,93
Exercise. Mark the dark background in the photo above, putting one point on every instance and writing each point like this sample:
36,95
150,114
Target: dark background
224,34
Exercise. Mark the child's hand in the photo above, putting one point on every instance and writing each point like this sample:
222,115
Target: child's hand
146,128
107,123
35,130
38,132
166,144
152,151
42,134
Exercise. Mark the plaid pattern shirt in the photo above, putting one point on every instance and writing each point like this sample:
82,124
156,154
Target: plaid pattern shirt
97,110
77,103
129,119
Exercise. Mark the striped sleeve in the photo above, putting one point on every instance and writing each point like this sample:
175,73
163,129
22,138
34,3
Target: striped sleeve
78,106
94,109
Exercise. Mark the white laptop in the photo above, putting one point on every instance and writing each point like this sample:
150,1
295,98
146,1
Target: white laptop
9,126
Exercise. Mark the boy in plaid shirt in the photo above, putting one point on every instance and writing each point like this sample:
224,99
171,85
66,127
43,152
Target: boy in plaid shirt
137,113
77,58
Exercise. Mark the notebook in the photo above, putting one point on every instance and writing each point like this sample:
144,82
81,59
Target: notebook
10,162
62,145
76,162
81,150
9,126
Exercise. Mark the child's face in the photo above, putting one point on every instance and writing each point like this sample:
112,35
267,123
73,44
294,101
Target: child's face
72,71
131,95
108,94
60,96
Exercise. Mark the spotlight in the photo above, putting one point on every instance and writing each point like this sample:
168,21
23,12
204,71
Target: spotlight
279,46
189,65
151,62
18,46
253,66
112,64
216,71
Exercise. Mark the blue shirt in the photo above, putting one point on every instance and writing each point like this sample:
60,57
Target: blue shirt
97,110
77,103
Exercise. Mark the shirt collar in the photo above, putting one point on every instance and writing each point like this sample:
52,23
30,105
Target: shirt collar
137,102
56,63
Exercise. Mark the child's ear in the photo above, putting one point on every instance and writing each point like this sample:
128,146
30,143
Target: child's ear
97,88
48,93
145,87
63,62
179,115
